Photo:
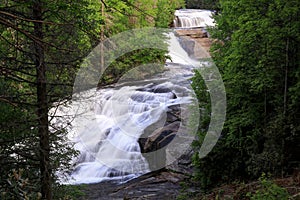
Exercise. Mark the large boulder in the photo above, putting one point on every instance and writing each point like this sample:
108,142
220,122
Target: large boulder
160,134
152,146
161,137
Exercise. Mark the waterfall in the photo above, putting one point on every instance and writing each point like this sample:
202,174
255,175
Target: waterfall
108,144
109,122
106,124
193,18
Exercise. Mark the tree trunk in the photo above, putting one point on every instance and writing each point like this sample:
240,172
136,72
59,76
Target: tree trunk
286,77
42,110
102,39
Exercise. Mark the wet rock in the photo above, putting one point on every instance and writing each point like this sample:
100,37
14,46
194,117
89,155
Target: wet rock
183,164
161,137
161,89
194,33
152,146
172,177
171,117
161,184
200,38
188,45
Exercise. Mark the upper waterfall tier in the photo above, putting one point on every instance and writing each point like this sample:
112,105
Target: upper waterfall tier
193,18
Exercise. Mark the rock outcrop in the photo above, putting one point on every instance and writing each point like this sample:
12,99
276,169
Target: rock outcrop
161,137
195,42
162,184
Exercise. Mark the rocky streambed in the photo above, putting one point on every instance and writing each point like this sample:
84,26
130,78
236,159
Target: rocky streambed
162,184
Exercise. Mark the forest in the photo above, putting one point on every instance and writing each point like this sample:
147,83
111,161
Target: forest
257,52
255,46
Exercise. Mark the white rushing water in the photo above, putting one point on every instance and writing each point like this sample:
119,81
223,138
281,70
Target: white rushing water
108,142
109,122
193,18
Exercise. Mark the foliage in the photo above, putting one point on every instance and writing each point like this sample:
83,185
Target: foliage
127,15
268,191
131,60
42,43
165,12
65,192
41,46
185,193
257,52
202,4
202,94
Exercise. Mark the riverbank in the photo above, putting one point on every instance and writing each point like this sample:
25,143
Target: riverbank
287,188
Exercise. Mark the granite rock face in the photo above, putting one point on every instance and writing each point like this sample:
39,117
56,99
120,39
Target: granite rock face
161,137
195,42
162,185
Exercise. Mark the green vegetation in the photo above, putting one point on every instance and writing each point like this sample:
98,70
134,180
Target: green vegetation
42,43
257,50
268,190
202,4
149,14
65,192
41,46
134,59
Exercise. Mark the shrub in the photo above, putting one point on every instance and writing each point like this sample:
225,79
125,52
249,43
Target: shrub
268,190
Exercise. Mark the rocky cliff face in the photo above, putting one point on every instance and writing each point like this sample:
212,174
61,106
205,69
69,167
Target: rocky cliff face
196,42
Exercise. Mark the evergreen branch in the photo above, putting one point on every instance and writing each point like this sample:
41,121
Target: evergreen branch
29,20
9,102
30,36
138,9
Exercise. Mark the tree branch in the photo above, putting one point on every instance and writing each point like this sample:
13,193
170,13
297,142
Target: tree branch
30,36
29,20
